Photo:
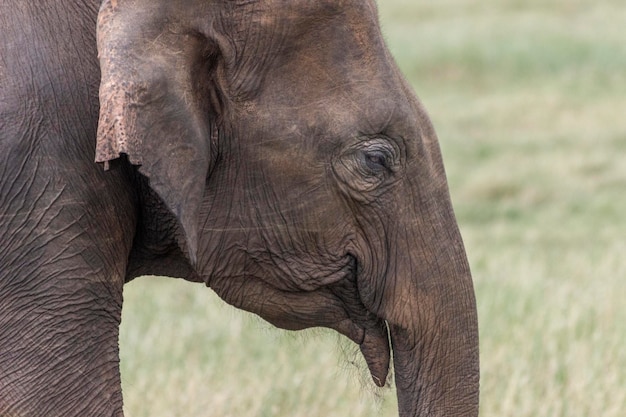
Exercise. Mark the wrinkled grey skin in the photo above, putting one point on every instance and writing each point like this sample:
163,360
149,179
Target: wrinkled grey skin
269,149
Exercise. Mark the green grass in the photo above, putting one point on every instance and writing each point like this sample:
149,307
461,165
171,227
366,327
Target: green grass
187,354
529,100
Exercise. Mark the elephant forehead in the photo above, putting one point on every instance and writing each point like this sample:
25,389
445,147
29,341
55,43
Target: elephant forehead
334,115
284,52
307,7
300,13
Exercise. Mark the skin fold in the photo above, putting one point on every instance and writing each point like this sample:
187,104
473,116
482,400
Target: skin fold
270,150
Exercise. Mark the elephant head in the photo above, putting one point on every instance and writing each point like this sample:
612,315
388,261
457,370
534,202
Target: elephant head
304,174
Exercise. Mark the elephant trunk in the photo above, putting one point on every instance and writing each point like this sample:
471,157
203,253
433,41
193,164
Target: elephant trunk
436,359
430,309
434,335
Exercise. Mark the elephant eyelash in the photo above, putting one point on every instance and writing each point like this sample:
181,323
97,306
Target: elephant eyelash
378,156
367,167
376,161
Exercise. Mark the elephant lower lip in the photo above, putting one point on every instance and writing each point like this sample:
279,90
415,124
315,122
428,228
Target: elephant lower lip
337,307
373,334
376,351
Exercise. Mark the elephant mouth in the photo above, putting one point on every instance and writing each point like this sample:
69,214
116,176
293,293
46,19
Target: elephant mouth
336,306
376,351
368,330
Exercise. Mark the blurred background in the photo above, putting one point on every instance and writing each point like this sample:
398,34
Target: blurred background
529,101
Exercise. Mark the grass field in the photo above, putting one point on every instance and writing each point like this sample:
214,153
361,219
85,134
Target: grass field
529,100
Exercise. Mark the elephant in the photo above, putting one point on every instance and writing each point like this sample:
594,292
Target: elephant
268,149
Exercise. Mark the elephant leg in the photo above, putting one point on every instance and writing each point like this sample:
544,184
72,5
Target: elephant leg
60,348
62,270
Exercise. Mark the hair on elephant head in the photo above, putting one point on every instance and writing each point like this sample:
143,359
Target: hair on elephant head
304,176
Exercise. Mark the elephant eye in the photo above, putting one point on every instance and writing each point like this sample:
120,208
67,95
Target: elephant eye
376,157
367,166
376,160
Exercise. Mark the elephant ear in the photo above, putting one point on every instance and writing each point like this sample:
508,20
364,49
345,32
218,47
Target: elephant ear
152,106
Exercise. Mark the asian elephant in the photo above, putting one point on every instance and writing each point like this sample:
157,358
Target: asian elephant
269,149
